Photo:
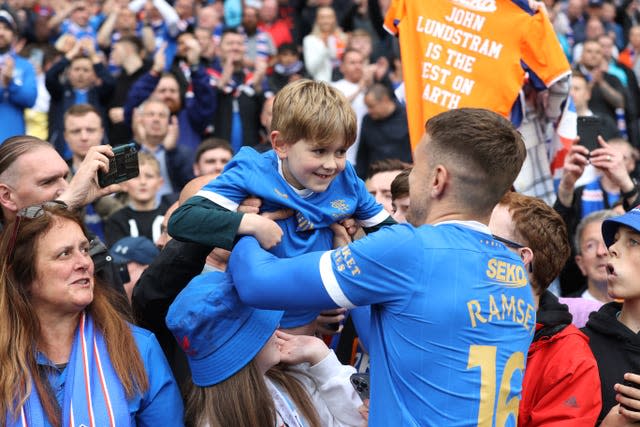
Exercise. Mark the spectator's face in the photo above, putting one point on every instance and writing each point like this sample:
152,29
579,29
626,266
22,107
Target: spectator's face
82,133
352,66
379,185
212,161
208,18
400,208
80,14
377,109
287,58
362,44
326,19
250,19
420,180
155,120
126,20
594,256
81,74
205,40
606,43
64,270
624,265
634,37
269,10
591,55
184,8
6,37
580,92
144,187
39,177
594,28
168,92
232,46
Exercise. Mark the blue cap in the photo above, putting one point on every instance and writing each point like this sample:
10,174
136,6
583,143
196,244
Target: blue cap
610,226
219,334
138,249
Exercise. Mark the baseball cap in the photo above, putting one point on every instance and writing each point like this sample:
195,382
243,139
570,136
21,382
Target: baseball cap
610,226
219,334
138,249
595,3
7,19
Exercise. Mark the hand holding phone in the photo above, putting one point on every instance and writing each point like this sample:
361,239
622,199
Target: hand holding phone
589,127
360,383
122,166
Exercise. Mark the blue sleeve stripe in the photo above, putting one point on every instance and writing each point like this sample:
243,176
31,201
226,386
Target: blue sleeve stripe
218,200
374,220
330,282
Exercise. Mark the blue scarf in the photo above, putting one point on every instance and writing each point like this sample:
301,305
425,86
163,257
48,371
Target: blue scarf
93,394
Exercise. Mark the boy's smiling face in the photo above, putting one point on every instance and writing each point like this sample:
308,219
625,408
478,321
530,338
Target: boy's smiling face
312,166
623,268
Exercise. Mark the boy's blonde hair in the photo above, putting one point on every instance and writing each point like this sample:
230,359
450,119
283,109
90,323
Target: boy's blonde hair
145,158
313,111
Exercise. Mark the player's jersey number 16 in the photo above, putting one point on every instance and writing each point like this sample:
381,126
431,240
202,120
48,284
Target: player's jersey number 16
484,357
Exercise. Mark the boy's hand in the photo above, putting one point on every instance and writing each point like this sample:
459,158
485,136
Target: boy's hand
341,236
266,230
296,349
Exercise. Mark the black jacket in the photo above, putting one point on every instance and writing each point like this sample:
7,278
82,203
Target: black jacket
616,348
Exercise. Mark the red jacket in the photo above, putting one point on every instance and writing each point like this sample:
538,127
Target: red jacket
561,382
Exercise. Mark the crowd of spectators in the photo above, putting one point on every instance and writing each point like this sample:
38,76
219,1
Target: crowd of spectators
192,83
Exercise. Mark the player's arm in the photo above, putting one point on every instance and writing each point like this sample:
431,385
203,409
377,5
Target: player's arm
379,268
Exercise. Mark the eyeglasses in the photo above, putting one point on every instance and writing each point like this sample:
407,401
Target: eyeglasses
508,242
31,212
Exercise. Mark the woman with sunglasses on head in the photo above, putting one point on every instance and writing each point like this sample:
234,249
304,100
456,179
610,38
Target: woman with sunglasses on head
67,357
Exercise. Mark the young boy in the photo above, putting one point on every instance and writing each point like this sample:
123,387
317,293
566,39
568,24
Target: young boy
143,216
312,127
613,330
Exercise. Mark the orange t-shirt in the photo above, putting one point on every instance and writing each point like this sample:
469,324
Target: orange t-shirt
468,53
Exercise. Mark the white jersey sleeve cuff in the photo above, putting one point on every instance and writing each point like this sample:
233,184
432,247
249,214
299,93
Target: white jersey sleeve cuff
330,282
218,200
374,220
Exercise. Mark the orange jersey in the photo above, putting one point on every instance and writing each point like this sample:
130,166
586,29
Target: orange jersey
468,53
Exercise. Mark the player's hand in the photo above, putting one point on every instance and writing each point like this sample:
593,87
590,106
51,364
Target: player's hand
296,349
265,230
341,236
327,317
83,188
251,204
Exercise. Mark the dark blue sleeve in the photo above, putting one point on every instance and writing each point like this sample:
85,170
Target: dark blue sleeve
180,166
141,89
52,79
204,103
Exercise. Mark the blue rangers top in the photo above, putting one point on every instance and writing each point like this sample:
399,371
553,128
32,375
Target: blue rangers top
452,316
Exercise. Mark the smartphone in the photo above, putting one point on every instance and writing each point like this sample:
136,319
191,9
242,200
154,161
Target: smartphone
589,127
360,383
122,166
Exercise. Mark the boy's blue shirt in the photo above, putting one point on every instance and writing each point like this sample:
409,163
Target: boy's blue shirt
250,173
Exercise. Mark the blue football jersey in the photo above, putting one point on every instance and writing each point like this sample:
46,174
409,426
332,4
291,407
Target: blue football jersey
452,318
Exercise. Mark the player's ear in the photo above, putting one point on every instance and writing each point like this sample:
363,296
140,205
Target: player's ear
440,177
279,145
526,255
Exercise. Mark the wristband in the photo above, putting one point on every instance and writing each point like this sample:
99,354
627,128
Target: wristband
634,190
